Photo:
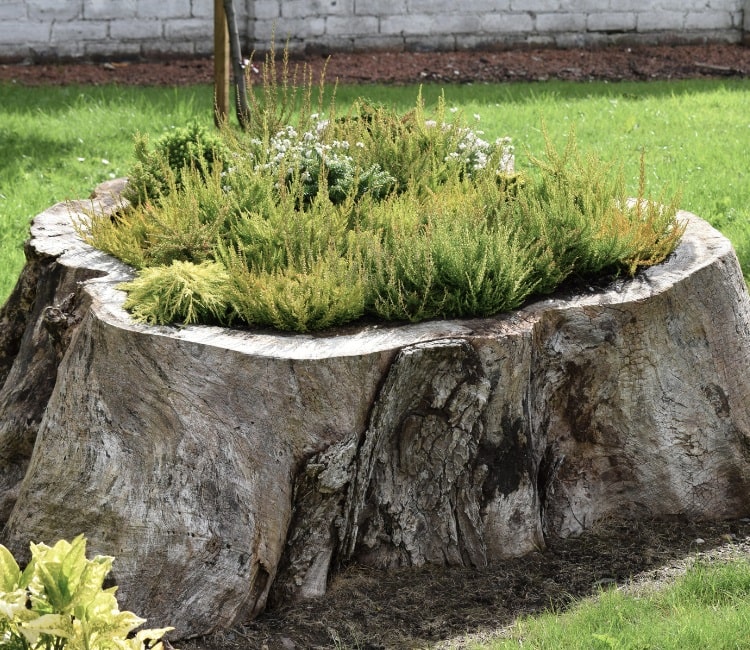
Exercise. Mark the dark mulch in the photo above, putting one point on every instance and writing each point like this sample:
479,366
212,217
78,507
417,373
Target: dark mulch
436,607
610,63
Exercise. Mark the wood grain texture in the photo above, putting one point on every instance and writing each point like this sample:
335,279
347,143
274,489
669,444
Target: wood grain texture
226,467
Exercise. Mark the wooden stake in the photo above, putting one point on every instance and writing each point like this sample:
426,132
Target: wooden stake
221,64
238,65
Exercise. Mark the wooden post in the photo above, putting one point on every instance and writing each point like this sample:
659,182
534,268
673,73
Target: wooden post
238,64
221,64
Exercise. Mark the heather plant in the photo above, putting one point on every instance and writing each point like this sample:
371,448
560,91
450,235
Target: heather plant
285,92
314,161
306,295
57,602
307,225
160,169
181,291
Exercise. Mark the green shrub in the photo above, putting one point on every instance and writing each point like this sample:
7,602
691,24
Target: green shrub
446,256
181,291
300,297
159,169
57,602
401,217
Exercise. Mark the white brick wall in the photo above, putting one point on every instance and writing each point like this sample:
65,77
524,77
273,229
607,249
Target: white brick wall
266,9
41,10
132,29
105,9
36,29
620,21
654,21
13,10
160,8
559,21
717,20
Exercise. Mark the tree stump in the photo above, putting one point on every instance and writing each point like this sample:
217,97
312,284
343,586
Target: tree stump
226,467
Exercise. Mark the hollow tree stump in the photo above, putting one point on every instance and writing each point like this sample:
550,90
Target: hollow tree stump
226,467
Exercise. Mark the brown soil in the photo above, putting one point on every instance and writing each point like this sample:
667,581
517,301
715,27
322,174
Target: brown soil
612,63
443,608
439,607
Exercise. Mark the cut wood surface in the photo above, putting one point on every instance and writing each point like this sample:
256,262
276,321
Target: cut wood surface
223,468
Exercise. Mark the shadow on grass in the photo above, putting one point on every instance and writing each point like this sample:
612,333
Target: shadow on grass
520,93
18,149
54,100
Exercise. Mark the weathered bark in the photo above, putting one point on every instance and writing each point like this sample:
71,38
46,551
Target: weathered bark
221,467
36,324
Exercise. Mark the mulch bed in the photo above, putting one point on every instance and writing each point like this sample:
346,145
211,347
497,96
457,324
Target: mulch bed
443,608
466,66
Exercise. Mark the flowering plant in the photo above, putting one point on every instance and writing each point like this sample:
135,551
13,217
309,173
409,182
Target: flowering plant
315,222
314,161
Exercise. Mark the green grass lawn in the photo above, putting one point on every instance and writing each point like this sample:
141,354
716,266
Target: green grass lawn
58,143
707,608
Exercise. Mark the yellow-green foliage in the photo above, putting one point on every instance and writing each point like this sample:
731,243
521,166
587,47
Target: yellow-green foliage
57,602
447,255
283,93
401,217
299,297
181,291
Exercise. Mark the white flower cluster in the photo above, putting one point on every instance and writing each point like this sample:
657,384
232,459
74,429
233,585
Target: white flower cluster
474,152
507,163
305,153
308,155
